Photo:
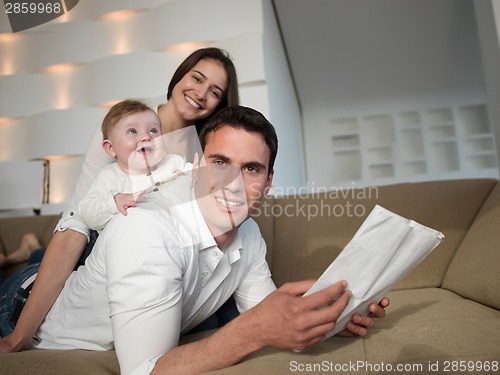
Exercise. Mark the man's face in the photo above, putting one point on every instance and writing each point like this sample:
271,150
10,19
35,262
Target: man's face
232,178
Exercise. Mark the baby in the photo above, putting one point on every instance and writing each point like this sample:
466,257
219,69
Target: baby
132,135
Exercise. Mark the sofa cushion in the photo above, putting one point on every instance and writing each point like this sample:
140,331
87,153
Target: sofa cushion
310,232
475,270
433,324
423,326
59,362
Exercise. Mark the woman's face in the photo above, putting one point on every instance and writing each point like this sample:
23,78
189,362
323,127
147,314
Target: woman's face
201,90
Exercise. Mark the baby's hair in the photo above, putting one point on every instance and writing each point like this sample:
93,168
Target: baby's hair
120,110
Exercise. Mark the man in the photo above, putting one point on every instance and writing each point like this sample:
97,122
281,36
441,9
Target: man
172,262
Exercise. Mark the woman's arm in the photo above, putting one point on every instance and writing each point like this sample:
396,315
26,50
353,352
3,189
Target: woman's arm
61,255
58,262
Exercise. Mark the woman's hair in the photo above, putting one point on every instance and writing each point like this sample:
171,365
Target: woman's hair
120,110
231,96
248,119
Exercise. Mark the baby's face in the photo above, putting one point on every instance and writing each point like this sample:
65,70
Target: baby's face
136,142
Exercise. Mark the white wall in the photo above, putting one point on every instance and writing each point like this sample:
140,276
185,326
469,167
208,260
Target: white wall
284,110
488,20
382,56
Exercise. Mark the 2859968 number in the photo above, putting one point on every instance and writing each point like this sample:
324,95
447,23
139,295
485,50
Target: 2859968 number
32,8
471,366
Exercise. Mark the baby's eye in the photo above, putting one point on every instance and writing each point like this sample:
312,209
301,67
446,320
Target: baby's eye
154,131
132,131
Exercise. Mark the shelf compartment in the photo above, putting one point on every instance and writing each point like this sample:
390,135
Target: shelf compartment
479,145
378,130
347,141
474,119
412,144
347,165
381,171
410,119
484,161
381,154
441,132
414,168
345,127
444,157
442,116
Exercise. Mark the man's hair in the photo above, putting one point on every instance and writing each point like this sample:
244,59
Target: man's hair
121,110
231,96
245,118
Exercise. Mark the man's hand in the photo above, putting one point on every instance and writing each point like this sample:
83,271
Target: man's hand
289,321
285,320
360,324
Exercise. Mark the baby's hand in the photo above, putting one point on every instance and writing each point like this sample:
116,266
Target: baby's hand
124,201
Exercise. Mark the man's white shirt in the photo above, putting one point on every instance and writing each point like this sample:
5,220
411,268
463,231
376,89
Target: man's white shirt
152,275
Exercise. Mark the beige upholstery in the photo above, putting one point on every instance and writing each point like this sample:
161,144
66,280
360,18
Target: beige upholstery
303,246
474,272
446,310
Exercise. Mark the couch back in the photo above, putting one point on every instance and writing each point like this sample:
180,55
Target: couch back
474,272
306,233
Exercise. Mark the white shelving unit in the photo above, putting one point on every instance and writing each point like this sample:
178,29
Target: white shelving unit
347,149
417,144
412,161
479,148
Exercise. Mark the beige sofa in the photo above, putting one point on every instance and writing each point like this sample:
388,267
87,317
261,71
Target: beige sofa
444,317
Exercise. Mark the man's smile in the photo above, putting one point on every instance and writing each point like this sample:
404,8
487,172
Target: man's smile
229,204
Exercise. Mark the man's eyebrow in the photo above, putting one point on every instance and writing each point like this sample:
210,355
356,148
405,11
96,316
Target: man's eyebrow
205,77
256,165
219,156
224,158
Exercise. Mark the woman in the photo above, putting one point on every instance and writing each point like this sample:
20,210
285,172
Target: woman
204,83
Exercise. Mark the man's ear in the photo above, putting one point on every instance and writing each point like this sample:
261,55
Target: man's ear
269,183
108,148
